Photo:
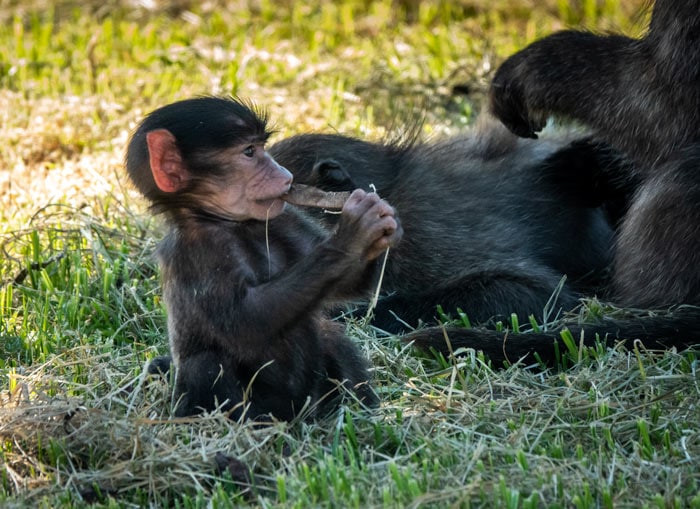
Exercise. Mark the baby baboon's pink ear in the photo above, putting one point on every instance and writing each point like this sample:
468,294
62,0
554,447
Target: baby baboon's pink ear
167,166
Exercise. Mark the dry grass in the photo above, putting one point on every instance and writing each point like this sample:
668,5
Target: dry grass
623,429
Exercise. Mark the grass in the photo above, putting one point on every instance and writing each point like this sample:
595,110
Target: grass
80,308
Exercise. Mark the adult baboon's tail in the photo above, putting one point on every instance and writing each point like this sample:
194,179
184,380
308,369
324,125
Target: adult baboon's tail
679,328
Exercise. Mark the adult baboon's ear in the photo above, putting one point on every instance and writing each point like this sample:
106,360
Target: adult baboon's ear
333,176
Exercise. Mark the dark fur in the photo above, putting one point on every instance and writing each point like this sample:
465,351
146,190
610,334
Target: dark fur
491,222
220,340
643,97
247,324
